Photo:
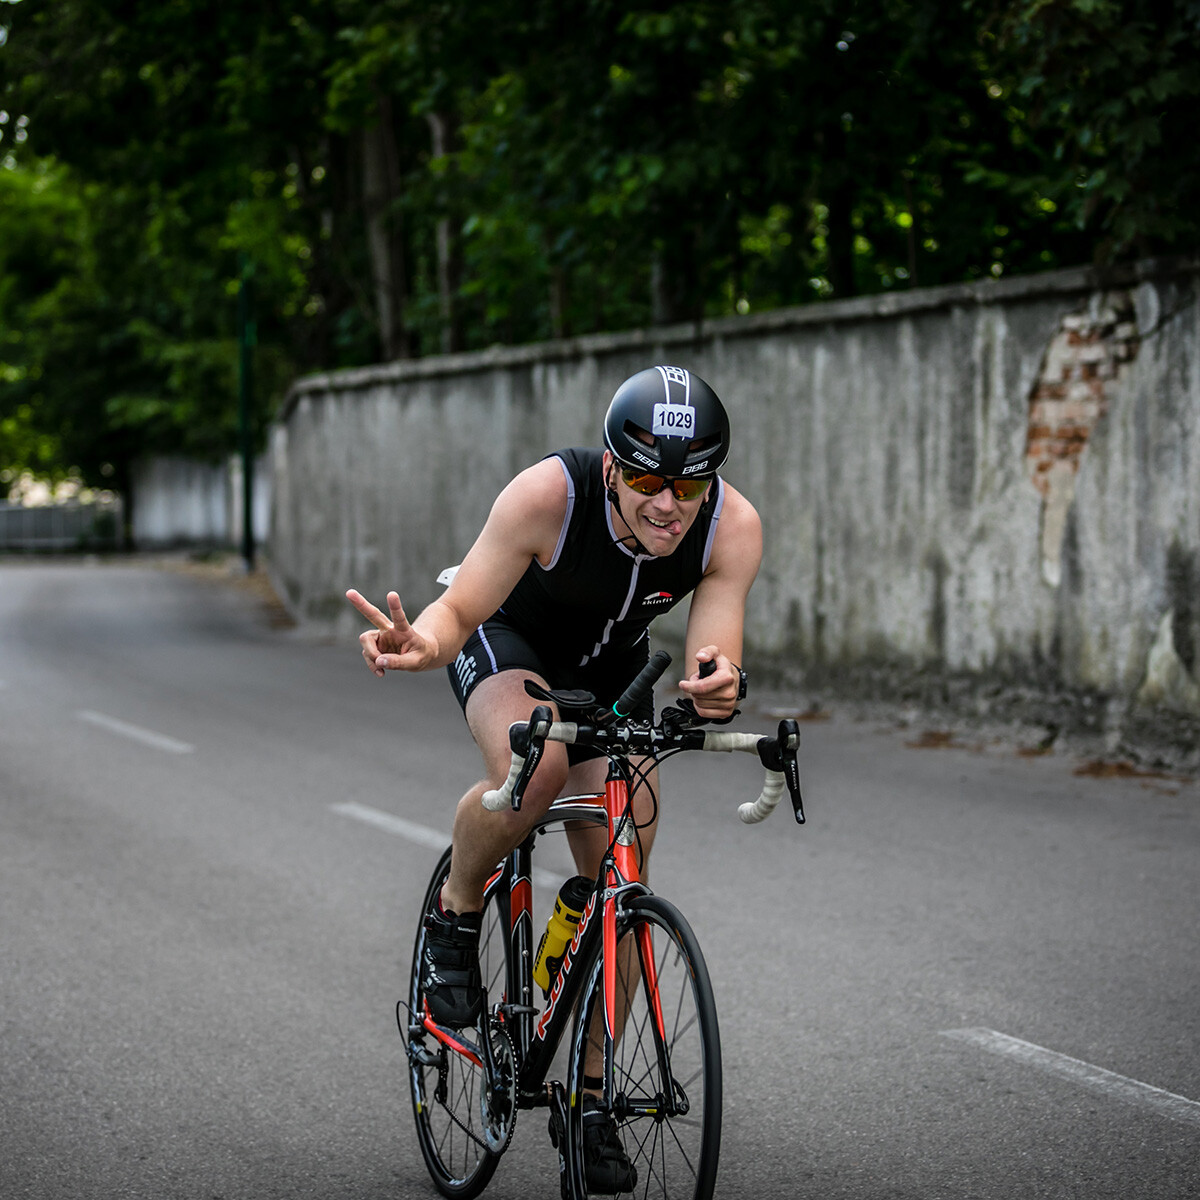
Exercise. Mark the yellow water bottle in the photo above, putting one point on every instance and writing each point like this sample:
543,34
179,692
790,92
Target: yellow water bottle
569,904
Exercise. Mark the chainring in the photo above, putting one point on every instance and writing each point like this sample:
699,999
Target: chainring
498,1107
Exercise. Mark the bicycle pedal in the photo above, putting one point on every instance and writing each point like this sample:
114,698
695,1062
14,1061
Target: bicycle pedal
558,1134
558,1120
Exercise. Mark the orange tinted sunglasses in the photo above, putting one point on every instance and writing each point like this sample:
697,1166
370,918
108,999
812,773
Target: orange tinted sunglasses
646,484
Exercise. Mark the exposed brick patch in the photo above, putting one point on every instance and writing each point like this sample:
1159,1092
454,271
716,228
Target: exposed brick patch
1090,352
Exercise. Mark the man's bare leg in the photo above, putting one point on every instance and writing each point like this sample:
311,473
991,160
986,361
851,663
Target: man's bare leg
481,838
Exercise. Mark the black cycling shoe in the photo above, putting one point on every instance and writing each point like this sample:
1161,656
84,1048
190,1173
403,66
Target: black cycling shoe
607,1170
450,975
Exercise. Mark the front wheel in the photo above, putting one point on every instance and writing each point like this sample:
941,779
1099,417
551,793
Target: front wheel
461,1126
666,1063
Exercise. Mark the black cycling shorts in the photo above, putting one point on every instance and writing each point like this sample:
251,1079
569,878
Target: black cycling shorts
496,646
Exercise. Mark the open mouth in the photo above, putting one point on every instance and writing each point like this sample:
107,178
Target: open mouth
665,526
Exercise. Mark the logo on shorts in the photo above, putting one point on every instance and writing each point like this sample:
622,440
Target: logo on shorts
464,667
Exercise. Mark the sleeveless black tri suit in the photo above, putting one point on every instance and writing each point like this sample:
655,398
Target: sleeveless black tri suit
582,620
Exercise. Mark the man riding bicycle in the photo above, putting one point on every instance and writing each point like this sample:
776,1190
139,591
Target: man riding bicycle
578,555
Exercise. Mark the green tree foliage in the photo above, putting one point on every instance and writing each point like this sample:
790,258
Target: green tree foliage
1107,92
418,176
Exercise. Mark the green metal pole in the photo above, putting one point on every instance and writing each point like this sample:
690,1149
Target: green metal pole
247,338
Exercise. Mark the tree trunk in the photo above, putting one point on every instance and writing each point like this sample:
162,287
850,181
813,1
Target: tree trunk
660,299
385,234
559,325
443,129
838,194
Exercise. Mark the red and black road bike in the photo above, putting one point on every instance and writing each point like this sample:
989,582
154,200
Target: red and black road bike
633,990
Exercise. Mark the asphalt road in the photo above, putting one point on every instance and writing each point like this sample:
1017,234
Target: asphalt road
972,974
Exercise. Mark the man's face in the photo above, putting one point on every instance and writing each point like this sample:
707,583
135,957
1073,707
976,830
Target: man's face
659,522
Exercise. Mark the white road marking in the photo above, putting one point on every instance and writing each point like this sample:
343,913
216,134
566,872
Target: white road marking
423,835
1167,1104
147,737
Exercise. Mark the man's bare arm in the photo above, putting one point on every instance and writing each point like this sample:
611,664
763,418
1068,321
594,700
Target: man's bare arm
524,524
716,619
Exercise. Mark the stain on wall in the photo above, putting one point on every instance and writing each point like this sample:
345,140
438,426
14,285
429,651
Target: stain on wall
1086,358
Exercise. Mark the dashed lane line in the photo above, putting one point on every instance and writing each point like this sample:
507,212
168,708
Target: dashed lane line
136,733
1131,1091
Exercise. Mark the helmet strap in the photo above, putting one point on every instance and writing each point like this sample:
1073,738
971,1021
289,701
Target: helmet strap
610,488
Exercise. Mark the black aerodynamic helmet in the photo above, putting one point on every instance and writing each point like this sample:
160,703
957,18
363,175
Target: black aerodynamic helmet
685,420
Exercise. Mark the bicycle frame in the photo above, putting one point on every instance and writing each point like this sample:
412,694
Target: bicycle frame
535,1043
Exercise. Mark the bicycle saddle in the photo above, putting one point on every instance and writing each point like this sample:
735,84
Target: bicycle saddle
567,698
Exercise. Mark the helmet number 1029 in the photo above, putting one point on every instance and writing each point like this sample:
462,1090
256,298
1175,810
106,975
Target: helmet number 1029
674,420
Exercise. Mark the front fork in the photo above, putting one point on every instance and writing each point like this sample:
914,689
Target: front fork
622,874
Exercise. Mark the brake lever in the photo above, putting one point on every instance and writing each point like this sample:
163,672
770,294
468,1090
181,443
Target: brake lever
528,740
779,754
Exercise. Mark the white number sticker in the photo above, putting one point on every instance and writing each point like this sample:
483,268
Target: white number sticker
674,420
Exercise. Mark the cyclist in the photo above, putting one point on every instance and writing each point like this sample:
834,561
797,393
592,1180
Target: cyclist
579,553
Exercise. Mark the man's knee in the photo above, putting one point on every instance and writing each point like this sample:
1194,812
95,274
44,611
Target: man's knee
541,791
547,782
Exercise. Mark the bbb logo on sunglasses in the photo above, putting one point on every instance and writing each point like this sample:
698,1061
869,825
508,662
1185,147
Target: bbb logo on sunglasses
674,420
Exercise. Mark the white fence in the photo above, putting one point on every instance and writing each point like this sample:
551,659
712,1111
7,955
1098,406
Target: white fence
72,525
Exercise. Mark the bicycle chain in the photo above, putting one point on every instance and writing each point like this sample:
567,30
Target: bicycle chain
470,1133
512,1122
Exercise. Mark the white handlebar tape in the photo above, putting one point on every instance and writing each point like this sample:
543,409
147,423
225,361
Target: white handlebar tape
758,810
498,801
501,798
727,740
752,813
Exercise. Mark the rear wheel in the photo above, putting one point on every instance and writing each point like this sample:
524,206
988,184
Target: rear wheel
666,1096
462,1124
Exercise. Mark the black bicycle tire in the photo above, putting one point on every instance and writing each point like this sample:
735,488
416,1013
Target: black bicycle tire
450,1181
694,975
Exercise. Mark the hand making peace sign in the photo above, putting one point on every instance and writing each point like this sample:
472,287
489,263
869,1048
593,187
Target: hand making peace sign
393,645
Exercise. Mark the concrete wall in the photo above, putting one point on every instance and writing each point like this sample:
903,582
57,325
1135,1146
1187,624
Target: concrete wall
999,478
179,502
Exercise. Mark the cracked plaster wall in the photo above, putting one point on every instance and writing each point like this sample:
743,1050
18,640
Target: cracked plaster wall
1000,478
